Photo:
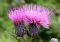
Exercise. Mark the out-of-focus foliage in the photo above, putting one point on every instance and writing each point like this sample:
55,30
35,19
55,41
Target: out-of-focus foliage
7,30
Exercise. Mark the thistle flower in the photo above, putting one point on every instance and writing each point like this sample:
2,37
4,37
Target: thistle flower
17,15
39,15
32,15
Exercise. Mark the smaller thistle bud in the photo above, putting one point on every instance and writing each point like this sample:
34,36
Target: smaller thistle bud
54,40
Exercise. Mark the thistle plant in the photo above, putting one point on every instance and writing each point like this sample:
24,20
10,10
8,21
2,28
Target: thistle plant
34,16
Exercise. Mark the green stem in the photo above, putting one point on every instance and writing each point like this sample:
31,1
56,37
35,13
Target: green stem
27,38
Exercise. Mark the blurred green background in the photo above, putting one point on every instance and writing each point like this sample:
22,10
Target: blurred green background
7,29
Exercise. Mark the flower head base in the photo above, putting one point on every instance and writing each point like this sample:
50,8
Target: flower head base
29,14
33,30
20,30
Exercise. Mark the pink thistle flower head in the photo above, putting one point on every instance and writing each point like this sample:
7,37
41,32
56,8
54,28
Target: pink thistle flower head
38,15
30,13
16,15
